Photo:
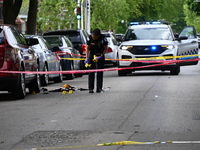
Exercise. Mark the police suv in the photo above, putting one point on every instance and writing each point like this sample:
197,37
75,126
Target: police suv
143,41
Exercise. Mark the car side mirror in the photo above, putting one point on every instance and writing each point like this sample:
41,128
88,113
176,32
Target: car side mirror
32,41
176,35
55,49
183,38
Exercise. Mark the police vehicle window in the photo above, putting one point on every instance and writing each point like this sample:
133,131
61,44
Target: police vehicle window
1,37
149,34
189,32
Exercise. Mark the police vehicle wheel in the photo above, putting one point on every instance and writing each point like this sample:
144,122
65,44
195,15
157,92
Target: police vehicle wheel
176,70
122,72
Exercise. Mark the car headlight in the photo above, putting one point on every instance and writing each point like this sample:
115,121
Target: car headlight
168,46
125,47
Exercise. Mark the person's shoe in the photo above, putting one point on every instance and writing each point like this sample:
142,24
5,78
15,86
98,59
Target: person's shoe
100,91
91,91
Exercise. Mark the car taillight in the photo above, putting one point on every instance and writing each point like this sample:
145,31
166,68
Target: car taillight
109,50
84,48
60,53
9,54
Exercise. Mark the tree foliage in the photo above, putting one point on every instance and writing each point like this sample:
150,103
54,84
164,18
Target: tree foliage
192,17
56,14
193,6
115,15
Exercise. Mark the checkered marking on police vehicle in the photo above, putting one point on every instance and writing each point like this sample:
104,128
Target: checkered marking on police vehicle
191,52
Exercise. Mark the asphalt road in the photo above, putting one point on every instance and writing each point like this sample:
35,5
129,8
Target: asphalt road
145,106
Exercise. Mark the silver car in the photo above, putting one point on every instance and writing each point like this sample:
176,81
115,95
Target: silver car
48,60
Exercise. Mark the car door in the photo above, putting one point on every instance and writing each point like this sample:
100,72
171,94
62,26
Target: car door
29,55
50,56
188,45
75,54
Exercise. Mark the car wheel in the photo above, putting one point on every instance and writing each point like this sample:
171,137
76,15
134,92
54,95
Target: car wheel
80,68
45,77
19,92
122,72
35,85
176,70
60,77
70,76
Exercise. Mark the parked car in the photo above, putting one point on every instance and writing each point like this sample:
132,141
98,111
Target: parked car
78,37
16,54
112,52
66,50
119,37
48,60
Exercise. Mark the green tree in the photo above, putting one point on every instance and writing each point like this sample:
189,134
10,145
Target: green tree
56,14
192,18
193,6
109,14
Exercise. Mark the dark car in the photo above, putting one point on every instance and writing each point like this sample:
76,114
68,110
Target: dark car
48,60
78,38
16,54
119,37
66,52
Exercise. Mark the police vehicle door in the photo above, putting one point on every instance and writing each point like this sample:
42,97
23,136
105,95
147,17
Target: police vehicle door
188,45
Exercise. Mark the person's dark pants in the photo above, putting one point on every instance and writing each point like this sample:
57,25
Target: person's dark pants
91,76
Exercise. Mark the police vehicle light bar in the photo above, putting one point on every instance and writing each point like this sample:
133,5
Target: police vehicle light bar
149,23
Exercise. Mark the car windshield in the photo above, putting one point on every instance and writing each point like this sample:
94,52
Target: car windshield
53,41
148,34
74,37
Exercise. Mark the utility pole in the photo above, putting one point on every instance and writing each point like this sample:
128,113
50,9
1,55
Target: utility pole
85,14
79,20
82,12
88,16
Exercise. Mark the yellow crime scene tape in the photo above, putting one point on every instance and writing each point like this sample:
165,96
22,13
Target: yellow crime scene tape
148,58
123,143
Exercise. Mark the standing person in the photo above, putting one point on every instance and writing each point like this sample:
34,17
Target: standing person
96,48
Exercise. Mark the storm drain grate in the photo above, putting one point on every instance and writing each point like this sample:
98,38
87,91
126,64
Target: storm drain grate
50,138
